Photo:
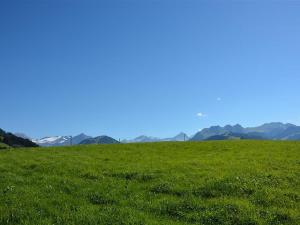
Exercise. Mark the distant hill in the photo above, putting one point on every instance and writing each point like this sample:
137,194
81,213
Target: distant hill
143,138
272,131
179,137
99,140
235,136
9,139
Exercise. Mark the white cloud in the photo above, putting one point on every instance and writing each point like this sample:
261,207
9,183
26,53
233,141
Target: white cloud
219,99
200,114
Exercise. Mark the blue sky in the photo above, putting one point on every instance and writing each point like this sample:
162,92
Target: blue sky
131,67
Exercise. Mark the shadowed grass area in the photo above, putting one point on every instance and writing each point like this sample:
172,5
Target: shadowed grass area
224,182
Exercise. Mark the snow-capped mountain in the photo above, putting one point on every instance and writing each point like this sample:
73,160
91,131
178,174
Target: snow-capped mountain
53,141
60,140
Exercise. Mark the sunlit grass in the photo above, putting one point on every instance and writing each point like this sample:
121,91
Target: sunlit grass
225,182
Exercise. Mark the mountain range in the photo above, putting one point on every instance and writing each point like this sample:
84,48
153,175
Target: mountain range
85,139
268,131
143,138
271,131
61,140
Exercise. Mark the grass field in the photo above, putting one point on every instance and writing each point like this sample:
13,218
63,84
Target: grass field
225,182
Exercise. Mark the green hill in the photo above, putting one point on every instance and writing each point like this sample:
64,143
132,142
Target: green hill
234,136
215,182
9,139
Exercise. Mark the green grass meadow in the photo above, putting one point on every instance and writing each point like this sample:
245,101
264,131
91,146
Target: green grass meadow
215,182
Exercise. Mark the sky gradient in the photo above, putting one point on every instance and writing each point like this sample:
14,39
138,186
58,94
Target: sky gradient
131,67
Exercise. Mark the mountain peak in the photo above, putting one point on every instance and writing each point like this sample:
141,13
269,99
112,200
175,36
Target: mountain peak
180,137
238,125
103,139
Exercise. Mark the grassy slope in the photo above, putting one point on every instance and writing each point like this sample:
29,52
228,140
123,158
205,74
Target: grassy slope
225,182
3,146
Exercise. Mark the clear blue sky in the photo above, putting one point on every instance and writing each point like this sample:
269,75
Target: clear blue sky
130,67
